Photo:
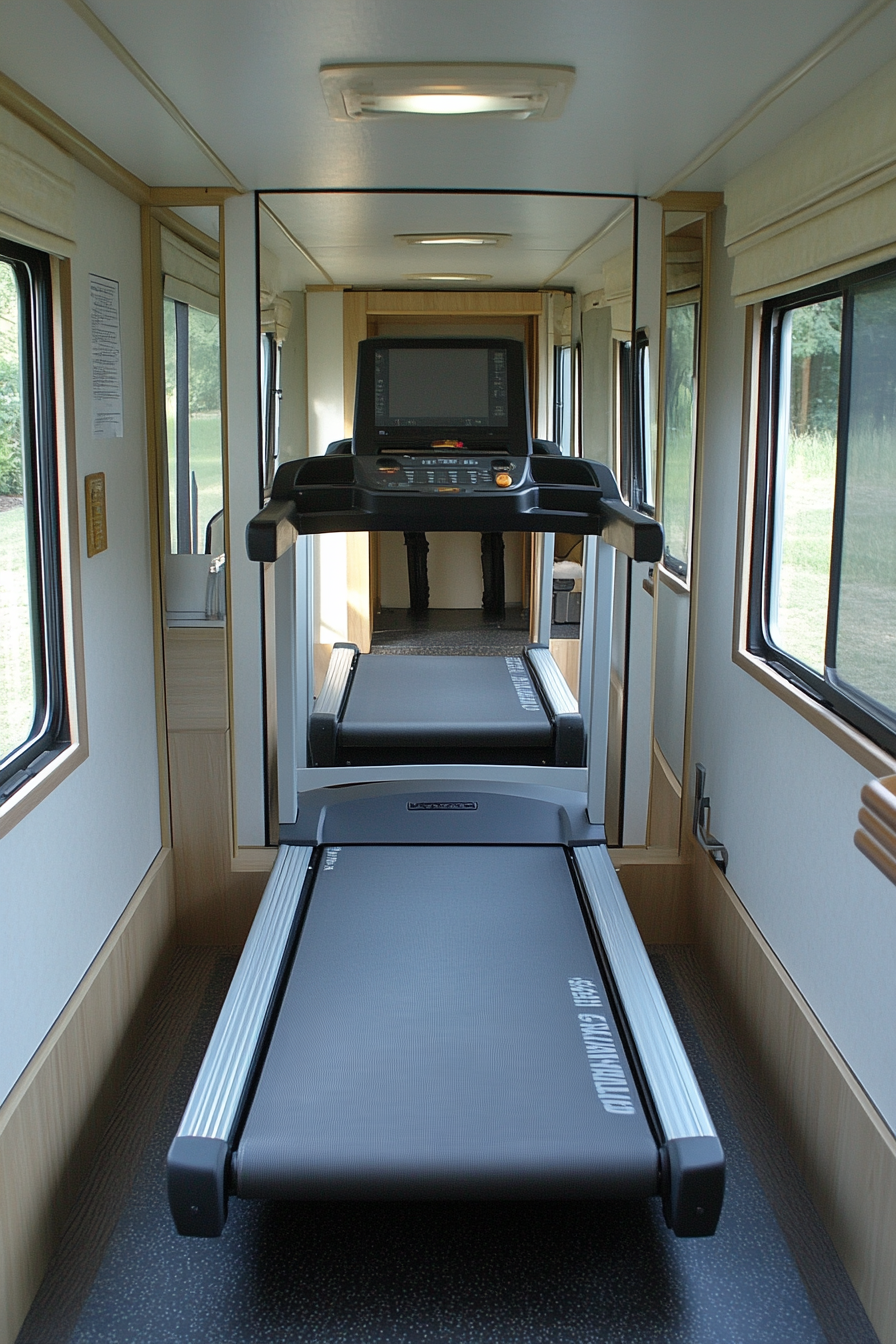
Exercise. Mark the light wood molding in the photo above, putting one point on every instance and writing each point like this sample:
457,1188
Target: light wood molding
686,201
68,485
354,330
156,451
843,1147
672,581
196,679
82,150
438,303
54,1117
664,806
176,224
190,195
567,655
657,885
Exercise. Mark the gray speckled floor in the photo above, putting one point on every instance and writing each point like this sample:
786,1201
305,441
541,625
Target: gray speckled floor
527,1273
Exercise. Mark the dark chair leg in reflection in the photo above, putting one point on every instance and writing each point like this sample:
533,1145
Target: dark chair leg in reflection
418,577
493,574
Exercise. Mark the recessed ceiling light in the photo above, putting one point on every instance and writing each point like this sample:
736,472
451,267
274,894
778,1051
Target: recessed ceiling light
521,92
449,279
452,239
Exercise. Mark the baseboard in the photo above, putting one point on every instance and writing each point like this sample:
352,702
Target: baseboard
657,887
53,1118
843,1147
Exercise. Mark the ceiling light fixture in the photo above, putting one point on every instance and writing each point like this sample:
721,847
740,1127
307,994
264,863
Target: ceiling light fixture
452,239
520,92
449,279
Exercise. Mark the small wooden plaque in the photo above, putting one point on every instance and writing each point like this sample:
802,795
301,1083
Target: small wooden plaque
95,500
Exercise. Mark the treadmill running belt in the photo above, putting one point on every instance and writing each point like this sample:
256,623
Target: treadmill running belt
444,1032
449,702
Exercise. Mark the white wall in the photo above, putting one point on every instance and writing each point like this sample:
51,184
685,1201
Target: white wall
68,869
784,798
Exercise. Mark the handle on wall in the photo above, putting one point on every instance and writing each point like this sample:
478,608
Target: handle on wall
876,836
714,848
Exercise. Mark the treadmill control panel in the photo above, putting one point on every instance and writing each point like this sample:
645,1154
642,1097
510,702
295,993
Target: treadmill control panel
436,473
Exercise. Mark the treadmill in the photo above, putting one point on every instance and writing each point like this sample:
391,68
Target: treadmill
444,994
448,412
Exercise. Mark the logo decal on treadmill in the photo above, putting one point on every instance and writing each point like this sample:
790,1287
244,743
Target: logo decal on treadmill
607,1073
330,858
522,684
453,806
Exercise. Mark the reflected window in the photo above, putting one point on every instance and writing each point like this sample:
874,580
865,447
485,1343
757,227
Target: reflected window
679,432
193,414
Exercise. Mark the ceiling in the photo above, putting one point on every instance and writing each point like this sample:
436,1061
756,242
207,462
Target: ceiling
657,80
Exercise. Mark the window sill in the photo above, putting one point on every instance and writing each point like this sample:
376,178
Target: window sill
35,790
673,581
849,739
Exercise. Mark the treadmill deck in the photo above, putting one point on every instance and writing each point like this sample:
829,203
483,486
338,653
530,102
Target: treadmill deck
445,1032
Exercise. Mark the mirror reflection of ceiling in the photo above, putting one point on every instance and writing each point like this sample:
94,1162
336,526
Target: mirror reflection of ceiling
352,238
656,82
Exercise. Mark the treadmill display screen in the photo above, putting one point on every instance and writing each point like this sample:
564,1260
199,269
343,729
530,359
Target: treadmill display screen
441,387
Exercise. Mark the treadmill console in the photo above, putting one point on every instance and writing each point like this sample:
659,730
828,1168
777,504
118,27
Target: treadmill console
447,395
439,473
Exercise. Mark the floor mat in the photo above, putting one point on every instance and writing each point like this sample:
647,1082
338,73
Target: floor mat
526,1273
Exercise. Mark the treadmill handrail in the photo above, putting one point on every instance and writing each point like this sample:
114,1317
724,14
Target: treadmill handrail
341,493
674,1088
214,1107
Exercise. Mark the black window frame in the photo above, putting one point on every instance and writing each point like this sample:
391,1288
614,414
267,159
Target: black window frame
50,731
875,721
633,410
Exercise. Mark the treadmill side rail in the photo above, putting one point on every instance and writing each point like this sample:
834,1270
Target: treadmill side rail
568,724
693,1161
198,1157
328,708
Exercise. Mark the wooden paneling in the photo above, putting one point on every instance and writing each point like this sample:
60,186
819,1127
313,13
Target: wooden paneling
196,678
567,655
657,886
53,1118
442,302
664,808
845,1151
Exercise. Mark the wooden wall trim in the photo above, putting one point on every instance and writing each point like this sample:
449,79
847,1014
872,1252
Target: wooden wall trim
843,1147
52,1120
31,110
657,886
392,303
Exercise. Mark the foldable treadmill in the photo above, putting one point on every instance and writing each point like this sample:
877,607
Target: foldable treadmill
423,406
444,994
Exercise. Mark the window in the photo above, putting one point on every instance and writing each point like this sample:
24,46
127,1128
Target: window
193,403
823,582
33,710
679,431
636,465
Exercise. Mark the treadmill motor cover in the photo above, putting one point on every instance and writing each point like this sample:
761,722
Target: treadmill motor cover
445,1032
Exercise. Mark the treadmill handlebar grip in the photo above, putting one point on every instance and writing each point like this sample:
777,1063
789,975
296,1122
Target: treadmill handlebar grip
273,531
693,1185
631,532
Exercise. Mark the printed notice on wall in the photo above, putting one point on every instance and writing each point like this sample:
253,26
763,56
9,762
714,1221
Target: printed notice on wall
105,347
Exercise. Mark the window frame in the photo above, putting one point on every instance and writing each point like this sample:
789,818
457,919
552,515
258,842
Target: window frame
828,692
51,729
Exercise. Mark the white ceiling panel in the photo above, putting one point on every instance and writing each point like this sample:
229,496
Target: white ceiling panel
656,82
353,236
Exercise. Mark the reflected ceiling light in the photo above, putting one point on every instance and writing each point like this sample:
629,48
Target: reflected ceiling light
442,88
449,279
452,239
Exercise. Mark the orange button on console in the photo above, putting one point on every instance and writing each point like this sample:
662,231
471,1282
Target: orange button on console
503,478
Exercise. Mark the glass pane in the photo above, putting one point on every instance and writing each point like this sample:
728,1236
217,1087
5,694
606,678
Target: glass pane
18,691
680,422
866,631
805,467
648,438
195,469
170,338
206,470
